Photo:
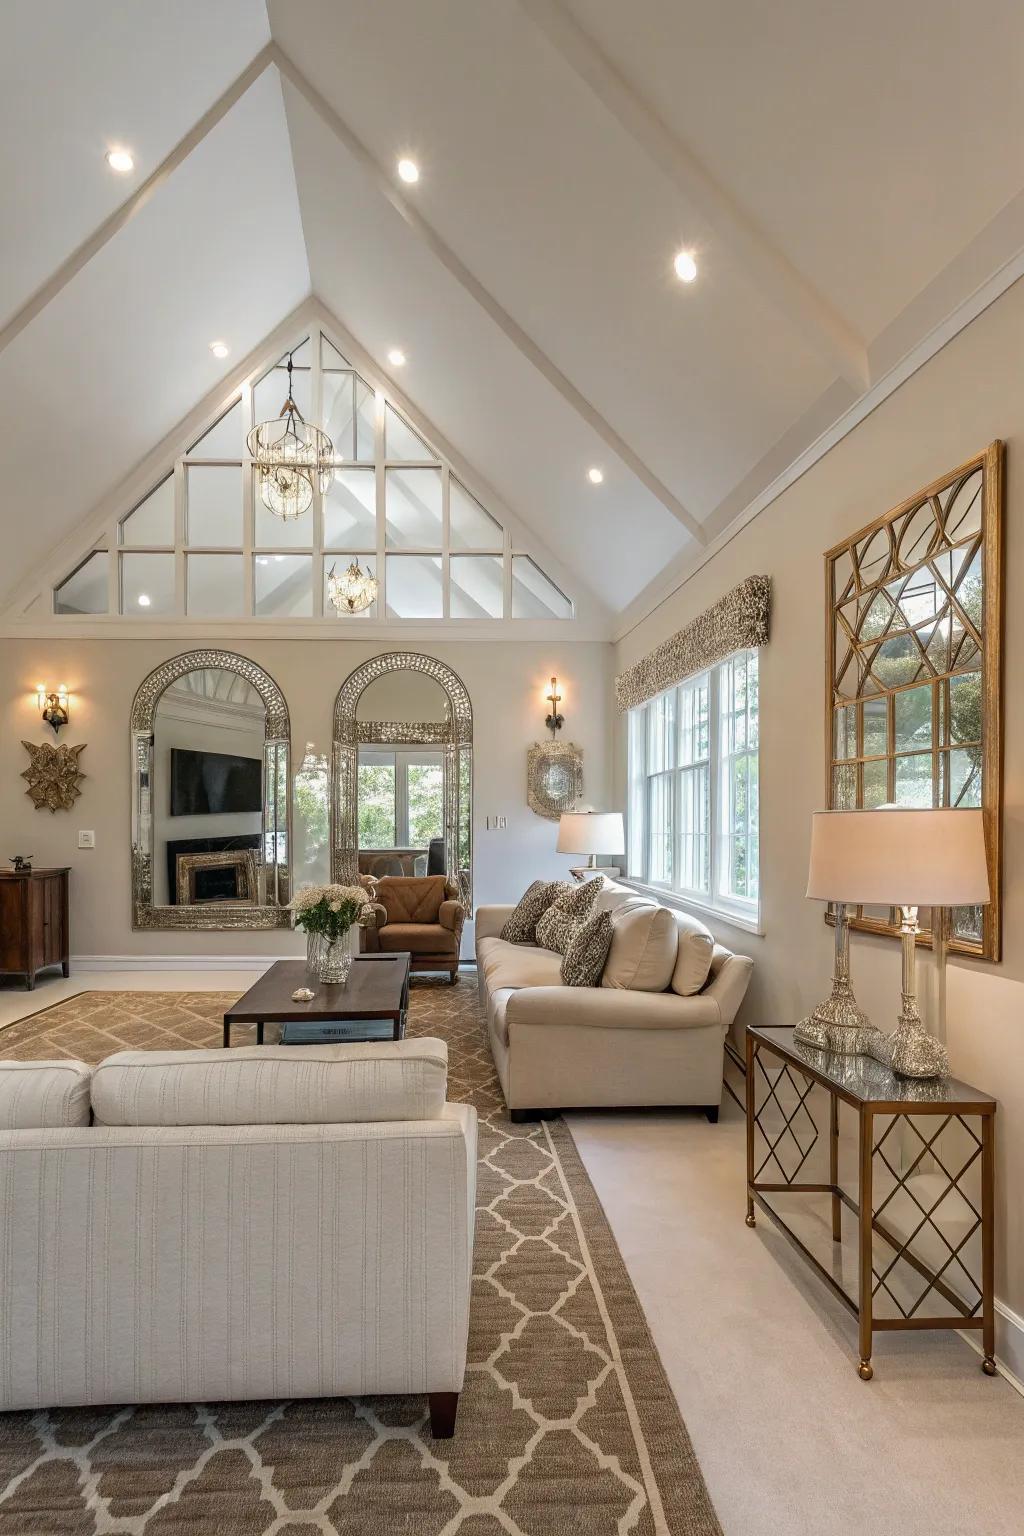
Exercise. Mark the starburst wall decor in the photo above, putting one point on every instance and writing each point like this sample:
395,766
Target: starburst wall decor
53,776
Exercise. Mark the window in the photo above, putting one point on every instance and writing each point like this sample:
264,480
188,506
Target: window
200,543
401,795
693,788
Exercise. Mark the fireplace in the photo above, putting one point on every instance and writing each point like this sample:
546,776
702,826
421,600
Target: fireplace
202,870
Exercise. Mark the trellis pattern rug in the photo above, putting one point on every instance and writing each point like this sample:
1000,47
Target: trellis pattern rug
566,1422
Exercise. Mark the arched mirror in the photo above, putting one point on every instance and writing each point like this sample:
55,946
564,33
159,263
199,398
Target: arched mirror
403,772
210,794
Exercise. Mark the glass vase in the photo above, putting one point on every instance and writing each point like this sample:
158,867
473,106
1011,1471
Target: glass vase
330,960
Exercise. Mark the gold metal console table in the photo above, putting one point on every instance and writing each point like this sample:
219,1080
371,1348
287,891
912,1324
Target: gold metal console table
920,1274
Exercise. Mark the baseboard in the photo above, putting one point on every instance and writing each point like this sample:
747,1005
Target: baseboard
96,963
1009,1345
175,962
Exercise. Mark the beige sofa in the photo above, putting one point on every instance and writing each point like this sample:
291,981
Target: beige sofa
652,1033
265,1222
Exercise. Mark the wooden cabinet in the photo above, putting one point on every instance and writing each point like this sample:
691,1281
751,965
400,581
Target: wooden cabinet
34,926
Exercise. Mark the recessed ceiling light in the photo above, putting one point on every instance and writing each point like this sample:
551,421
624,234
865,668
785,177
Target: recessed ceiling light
408,170
143,600
396,357
219,348
686,267
595,475
120,160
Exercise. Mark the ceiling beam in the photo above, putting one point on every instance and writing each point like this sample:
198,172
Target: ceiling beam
820,323
136,202
483,297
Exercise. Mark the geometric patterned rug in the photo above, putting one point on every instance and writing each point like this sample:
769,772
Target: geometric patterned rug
566,1424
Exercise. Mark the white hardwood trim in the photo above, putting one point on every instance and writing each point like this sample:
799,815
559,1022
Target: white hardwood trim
819,321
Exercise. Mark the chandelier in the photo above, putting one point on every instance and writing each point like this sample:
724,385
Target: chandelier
290,458
352,591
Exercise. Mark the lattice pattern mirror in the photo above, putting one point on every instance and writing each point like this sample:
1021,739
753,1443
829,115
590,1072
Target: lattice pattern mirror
914,671
402,795
211,833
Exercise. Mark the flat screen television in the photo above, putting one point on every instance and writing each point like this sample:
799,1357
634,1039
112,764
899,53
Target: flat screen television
214,783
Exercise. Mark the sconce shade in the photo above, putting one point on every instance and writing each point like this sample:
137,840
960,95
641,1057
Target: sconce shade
898,858
591,832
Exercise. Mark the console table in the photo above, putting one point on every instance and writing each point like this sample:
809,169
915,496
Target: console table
918,1265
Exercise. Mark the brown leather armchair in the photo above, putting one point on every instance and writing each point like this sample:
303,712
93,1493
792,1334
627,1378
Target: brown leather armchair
420,914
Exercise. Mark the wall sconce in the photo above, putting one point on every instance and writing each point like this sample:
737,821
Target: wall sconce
554,721
54,707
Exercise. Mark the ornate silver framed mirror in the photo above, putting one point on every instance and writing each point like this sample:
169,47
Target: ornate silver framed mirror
402,772
554,778
211,785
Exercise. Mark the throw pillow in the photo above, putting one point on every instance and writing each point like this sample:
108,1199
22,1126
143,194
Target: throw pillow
521,923
556,926
587,952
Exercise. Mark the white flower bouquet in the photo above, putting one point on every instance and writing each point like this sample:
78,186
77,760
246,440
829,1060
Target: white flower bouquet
329,910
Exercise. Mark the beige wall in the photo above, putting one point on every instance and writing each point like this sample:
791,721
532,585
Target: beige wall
970,393
506,683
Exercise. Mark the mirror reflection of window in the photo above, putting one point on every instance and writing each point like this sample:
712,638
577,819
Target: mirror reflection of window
401,797
209,730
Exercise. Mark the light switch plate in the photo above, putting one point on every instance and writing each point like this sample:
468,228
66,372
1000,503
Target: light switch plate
87,839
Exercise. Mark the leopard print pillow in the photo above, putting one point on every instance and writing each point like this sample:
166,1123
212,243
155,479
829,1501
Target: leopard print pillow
584,959
565,916
521,924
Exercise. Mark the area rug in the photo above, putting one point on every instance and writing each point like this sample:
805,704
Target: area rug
566,1425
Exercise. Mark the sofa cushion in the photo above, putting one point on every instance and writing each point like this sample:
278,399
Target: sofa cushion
412,899
517,965
612,895
418,938
567,914
521,923
587,951
274,1085
643,950
43,1095
693,957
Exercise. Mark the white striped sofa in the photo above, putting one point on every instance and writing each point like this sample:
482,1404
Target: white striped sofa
266,1222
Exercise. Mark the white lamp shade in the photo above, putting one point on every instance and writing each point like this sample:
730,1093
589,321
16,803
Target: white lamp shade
899,858
591,832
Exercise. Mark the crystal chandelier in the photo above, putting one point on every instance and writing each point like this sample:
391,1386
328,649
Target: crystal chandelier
290,458
352,591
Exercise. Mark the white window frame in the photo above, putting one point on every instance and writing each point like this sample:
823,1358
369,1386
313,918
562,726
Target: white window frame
740,911
402,758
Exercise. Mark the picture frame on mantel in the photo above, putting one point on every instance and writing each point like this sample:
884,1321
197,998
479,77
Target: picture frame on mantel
914,673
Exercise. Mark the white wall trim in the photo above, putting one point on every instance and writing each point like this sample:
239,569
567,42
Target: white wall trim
95,963
1009,1345
702,909
683,569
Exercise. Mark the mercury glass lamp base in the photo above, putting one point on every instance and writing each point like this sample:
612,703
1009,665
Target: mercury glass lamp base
839,1024
910,1051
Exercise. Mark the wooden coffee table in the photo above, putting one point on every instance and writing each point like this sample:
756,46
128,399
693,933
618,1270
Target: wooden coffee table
377,989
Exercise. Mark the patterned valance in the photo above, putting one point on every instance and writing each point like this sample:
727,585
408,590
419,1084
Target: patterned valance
737,622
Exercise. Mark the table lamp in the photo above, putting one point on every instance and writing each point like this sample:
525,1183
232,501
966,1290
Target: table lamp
904,858
591,832
927,858
835,874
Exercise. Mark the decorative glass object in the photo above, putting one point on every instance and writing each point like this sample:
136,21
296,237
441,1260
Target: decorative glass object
330,960
291,456
352,591
328,914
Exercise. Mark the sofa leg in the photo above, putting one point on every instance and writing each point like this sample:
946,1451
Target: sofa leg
443,1408
453,976
529,1116
711,1110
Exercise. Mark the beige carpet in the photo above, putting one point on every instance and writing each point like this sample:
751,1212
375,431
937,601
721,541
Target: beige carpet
566,1422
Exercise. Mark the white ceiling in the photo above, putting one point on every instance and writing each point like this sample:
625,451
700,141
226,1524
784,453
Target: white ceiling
865,164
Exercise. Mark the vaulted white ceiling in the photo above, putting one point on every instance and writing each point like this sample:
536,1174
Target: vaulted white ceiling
846,177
